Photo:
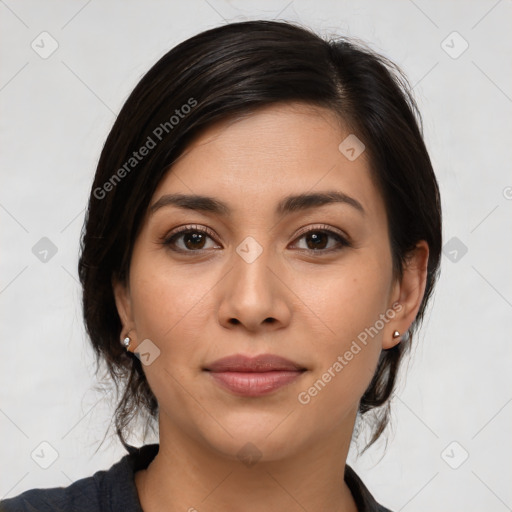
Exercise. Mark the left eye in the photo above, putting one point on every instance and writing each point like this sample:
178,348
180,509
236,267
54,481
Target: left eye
318,240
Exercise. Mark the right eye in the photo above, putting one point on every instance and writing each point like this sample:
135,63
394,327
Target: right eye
192,238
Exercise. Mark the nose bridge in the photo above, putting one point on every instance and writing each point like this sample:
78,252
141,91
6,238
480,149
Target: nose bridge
252,274
252,294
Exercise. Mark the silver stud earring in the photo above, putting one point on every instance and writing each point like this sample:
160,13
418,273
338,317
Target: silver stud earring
126,342
396,334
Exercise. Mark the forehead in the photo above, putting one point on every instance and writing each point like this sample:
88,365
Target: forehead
251,162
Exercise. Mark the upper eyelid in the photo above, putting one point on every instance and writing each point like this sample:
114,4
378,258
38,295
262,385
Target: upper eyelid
321,227
190,227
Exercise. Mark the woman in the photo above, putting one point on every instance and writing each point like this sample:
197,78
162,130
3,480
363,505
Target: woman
262,238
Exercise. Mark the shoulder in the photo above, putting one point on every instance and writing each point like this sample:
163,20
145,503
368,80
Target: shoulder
112,489
82,495
362,496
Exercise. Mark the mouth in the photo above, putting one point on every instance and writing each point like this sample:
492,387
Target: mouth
254,376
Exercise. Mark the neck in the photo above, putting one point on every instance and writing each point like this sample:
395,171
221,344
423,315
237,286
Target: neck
186,476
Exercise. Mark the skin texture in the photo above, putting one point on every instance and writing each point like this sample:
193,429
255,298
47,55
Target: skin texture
201,305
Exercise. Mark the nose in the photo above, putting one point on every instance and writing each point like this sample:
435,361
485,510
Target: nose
254,295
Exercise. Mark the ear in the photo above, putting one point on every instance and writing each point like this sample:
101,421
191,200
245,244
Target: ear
123,304
408,293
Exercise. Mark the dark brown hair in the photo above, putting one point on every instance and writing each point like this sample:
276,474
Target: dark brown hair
232,70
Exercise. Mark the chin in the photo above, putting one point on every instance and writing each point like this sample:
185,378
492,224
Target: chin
262,438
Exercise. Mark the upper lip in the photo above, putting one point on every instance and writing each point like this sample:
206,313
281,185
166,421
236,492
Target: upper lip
261,363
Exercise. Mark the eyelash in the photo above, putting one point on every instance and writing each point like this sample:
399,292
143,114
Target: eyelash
170,239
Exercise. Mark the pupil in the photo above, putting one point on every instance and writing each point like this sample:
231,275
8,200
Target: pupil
316,239
192,239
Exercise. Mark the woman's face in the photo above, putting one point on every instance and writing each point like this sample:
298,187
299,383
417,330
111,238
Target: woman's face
306,280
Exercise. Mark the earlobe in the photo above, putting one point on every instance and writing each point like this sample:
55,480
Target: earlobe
409,293
391,341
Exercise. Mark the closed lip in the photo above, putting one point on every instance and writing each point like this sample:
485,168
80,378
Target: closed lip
261,363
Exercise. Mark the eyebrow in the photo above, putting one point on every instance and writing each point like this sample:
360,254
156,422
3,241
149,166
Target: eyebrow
289,204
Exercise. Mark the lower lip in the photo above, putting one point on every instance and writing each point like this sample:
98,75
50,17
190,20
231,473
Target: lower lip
254,383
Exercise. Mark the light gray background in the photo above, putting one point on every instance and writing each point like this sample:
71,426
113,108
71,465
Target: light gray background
56,113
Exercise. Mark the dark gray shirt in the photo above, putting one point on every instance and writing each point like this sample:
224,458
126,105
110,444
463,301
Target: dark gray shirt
114,490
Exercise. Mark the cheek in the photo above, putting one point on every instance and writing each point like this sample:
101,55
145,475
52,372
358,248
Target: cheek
347,299
169,309
172,306
164,301
348,306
